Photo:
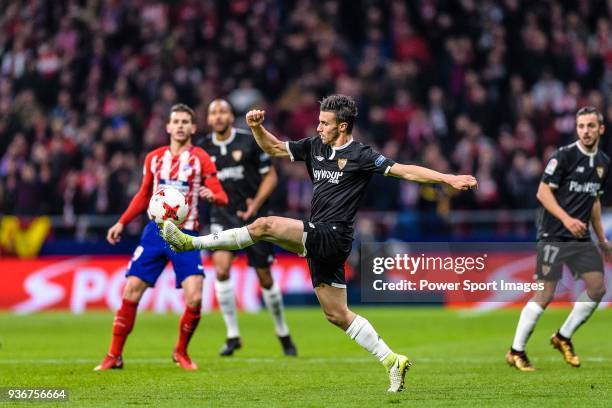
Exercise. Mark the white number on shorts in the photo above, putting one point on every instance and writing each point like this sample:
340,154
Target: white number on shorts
550,253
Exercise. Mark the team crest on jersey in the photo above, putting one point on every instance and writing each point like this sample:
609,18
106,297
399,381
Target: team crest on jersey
545,269
342,163
237,155
600,171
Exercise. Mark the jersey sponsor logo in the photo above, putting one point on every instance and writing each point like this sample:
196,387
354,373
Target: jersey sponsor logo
234,173
379,160
589,188
600,171
331,176
319,158
551,167
237,155
342,163
181,186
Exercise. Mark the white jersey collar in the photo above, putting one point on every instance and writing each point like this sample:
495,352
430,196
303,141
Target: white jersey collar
223,143
583,151
334,149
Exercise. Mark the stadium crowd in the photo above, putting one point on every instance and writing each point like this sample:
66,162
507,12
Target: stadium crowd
482,87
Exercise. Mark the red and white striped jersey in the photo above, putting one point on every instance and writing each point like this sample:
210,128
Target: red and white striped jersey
186,172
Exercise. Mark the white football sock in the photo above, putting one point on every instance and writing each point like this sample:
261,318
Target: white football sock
529,317
273,298
582,310
364,334
231,239
227,303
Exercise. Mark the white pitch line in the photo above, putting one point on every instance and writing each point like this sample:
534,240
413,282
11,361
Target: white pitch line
314,360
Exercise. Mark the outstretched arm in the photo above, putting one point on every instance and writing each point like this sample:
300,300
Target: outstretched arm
424,175
266,140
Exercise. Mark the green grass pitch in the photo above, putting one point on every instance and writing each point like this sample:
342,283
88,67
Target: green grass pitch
458,361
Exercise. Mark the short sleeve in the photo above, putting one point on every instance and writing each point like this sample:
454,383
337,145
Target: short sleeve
600,192
553,173
372,161
263,161
300,150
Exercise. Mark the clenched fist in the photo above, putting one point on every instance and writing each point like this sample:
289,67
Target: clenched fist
255,117
463,182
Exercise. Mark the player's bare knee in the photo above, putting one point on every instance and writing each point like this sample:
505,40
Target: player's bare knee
266,282
596,293
258,228
337,318
133,291
333,318
265,277
544,301
270,225
194,301
223,274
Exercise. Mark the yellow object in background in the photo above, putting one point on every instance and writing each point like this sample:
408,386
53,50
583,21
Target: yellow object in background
24,242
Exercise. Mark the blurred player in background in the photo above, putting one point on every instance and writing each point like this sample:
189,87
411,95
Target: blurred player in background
340,169
569,192
248,177
190,170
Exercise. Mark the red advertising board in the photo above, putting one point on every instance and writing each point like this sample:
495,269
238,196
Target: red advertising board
95,282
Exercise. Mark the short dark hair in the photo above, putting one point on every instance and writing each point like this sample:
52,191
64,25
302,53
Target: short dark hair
222,101
343,106
587,110
181,107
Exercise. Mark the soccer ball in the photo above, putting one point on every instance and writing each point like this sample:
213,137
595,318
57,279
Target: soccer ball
167,203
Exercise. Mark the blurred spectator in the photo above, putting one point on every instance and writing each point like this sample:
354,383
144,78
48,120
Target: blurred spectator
523,179
487,88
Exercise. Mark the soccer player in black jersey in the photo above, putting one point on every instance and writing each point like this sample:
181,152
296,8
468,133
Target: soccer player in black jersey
569,192
248,176
340,169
